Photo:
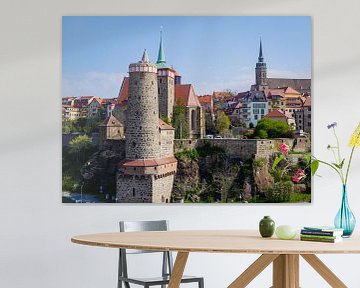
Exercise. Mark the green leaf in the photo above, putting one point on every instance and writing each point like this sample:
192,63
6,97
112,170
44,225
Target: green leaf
277,160
314,167
339,166
308,158
342,163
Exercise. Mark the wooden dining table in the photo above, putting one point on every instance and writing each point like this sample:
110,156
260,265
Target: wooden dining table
283,254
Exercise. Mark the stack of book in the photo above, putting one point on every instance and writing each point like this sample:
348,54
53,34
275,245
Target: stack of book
321,234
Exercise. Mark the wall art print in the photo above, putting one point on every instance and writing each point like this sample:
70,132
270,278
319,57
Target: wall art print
186,109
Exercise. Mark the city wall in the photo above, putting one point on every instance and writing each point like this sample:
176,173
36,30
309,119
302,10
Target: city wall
244,149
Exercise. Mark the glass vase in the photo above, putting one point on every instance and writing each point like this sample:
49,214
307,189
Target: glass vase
345,219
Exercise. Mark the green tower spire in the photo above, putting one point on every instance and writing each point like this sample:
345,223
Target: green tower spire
161,62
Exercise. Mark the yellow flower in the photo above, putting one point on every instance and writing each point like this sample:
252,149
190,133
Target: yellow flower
355,138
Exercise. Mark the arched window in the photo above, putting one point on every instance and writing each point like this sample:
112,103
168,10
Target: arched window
192,119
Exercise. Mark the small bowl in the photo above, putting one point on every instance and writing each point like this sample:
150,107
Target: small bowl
285,232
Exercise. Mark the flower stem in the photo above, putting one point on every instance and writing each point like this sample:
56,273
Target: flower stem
336,169
338,149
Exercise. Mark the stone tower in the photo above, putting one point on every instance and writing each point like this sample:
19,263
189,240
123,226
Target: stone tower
142,127
261,72
166,82
147,173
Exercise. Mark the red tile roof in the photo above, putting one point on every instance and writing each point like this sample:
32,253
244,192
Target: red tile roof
275,114
205,99
276,92
185,95
289,90
222,95
124,90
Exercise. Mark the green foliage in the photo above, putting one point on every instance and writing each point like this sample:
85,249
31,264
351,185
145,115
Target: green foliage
277,161
69,184
279,192
166,119
258,163
314,165
262,134
79,146
187,154
179,121
222,123
300,197
85,125
273,128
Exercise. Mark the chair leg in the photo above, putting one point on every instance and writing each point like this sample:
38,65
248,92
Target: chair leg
201,283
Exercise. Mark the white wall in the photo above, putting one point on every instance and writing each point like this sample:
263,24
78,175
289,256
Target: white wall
35,228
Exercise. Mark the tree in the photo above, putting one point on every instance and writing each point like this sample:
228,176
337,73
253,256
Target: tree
273,128
222,123
179,121
79,146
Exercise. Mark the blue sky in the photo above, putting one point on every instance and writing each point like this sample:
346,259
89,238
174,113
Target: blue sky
212,53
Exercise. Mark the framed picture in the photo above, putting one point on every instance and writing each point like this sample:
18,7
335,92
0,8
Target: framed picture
186,109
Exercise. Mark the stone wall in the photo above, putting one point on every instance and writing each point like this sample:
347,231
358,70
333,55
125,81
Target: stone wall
134,189
144,188
167,143
142,124
162,188
182,144
238,148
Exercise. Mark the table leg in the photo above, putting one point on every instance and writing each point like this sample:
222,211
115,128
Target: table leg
324,271
178,269
253,270
286,271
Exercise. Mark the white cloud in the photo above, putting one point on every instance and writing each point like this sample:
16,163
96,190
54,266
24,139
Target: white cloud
100,84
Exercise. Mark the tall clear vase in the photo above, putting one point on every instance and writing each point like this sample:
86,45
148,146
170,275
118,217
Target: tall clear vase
345,219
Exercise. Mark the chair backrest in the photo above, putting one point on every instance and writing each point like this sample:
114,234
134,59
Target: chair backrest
137,226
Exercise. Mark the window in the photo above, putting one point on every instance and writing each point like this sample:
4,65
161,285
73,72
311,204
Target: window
255,111
262,111
255,117
193,120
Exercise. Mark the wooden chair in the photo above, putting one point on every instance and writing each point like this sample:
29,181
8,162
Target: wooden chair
167,263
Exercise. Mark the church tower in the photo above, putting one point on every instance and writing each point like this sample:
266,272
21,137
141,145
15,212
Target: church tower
166,83
147,173
260,72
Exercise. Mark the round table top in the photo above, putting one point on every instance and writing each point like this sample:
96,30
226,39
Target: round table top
217,241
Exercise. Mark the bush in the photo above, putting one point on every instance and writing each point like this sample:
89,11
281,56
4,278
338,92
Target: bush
187,154
279,192
273,129
258,163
